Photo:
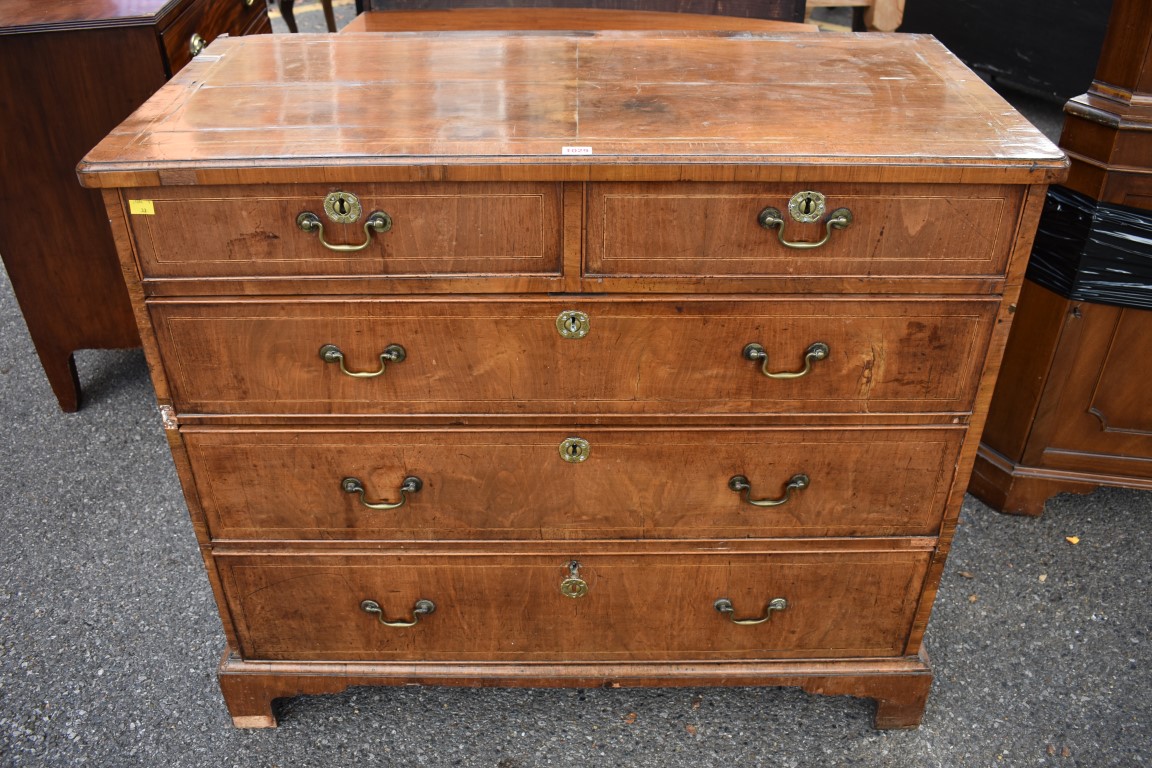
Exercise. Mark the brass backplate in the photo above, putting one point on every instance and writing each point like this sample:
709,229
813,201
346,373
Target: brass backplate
342,207
806,207
574,587
575,450
572,324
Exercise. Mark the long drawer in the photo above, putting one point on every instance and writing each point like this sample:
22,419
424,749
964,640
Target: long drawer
636,607
508,356
523,484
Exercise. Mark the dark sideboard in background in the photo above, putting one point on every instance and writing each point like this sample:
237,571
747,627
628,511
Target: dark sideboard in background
1072,409
69,73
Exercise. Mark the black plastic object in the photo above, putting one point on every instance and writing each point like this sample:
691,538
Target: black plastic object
1086,250
1039,46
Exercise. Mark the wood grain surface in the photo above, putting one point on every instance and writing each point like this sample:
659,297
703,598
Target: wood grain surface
35,16
703,229
637,608
648,224
513,483
437,229
505,356
482,99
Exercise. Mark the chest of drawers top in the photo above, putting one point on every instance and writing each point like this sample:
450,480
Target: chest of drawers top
609,106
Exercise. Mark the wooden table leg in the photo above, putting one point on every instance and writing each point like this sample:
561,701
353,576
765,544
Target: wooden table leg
60,368
287,14
884,15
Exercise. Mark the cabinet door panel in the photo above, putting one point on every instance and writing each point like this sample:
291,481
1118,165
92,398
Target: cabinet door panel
1106,411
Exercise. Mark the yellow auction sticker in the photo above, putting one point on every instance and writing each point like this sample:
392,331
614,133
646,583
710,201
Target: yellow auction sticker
141,208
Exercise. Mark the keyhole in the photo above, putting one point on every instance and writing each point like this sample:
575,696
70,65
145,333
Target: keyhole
571,324
806,206
574,450
342,206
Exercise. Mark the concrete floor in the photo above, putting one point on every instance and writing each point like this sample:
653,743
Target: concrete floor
110,637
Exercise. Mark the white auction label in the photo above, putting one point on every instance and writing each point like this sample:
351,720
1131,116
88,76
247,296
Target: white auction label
576,151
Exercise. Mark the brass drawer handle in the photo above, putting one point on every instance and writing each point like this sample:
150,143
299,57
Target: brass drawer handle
740,484
724,605
771,218
410,485
377,222
815,352
422,608
393,353
197,44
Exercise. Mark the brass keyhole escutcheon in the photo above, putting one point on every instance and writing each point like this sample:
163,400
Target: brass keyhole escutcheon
575,450
342,207
574,586
572,324
806,207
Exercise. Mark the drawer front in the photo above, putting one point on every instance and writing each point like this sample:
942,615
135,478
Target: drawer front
209,19
516,484
640,607
656,356
693,230
435,229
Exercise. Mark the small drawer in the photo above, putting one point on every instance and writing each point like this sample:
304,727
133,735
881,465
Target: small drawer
633,607
203,22
405,229
693,230
528,484
510,357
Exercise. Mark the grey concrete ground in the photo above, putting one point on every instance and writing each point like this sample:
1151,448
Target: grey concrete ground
110,637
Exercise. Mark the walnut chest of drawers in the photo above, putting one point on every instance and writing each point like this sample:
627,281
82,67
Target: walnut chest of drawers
558,359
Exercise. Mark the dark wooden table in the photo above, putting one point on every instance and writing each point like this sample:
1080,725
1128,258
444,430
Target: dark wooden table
464,19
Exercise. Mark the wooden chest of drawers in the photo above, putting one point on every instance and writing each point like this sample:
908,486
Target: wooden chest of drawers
69,73
606,359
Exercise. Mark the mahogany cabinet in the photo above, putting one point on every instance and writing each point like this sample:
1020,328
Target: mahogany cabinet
1073,410
574,359
69,73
